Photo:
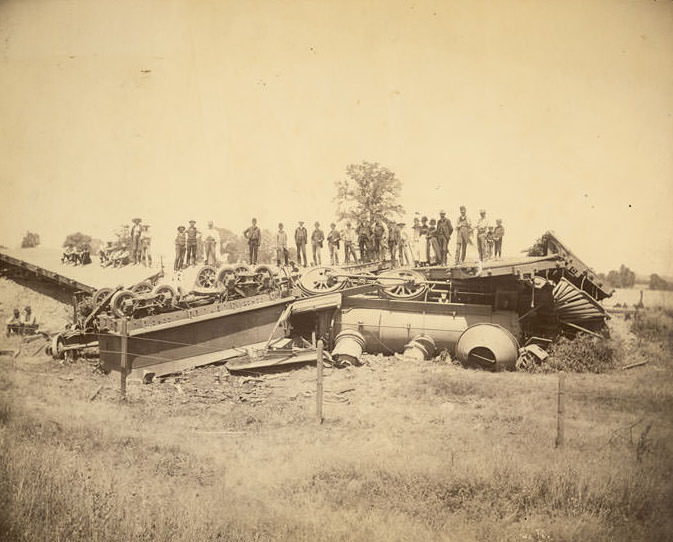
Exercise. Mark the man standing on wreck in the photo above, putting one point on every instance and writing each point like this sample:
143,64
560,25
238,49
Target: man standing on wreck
482,230
254,237
464,231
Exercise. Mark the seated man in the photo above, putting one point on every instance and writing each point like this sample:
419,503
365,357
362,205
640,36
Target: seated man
67,255
76,256
121,257
28,321
105,254
85,255
13,324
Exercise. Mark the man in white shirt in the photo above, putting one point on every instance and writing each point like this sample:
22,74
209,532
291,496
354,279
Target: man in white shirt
350,238
482,230
212,244
281,245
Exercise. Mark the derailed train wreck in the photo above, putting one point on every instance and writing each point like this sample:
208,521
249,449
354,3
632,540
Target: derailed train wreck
480,314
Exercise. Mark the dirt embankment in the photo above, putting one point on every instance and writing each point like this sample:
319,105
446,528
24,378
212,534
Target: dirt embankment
52,314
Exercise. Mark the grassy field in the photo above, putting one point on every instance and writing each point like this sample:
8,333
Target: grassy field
407,451
651,298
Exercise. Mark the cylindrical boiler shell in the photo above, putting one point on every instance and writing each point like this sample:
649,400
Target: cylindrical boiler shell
388,331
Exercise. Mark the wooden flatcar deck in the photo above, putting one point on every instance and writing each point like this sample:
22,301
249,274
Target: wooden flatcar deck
45,264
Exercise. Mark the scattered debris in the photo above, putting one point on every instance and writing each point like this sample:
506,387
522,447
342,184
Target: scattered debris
95,393
632,365
420,348
530,355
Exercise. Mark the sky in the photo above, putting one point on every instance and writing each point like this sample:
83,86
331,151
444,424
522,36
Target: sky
552,115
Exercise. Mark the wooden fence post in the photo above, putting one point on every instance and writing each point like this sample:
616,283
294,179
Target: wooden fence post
124,356
560,410
318,394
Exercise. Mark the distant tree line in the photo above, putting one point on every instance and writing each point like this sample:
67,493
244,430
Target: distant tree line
624,278
657,283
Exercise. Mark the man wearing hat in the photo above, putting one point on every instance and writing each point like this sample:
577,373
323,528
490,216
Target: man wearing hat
13,323
380,236
180,248
403,244
317,238
254,237
444,231
423,242
498,234
333,242
393,242
281,245
433,244
416,241
300,239
482,231
212,244
136,232
350,237
146,246
464,229
28,320
364,233
192,239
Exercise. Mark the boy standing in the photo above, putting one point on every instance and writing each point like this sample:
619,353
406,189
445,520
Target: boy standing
498,234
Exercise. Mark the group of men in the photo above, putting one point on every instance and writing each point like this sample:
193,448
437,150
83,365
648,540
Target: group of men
141,243
489,237
426,244
436,235
381,239
21,324
301,238
76,255
133,245
192,245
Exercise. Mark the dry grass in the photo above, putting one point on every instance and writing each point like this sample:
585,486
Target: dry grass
420,452
655,325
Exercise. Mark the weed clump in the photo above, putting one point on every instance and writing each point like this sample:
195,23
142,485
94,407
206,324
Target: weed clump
583,354
654,325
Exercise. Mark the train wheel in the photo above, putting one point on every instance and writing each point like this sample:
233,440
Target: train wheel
166,295
206,277
264,277
265,271
142,287
405,284
122,303
56,347
226,276
100,294
321,280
